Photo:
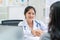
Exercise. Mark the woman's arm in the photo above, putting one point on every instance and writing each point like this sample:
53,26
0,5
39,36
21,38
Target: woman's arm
45,36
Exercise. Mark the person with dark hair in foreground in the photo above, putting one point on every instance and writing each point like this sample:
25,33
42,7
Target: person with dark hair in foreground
54,24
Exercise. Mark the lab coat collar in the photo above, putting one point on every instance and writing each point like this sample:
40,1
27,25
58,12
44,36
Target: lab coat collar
26,24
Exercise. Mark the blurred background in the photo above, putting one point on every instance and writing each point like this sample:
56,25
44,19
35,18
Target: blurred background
14,9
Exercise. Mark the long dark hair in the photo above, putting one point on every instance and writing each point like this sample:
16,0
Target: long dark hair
54,24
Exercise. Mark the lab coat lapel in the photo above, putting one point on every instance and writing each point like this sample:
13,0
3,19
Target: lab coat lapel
25,24
34,25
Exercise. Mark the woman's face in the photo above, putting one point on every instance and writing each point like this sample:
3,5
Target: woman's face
30,15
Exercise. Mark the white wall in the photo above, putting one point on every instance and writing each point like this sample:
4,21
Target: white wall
16,12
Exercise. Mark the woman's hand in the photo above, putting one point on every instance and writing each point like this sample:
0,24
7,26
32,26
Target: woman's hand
37,32
33,32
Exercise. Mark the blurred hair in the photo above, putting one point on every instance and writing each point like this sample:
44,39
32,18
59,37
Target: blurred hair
54,24
28,8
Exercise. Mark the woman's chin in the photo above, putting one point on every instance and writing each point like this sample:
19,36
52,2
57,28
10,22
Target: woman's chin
30,19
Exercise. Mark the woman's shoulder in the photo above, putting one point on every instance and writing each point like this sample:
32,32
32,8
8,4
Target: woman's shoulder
45,36
39,21
42,24
20,23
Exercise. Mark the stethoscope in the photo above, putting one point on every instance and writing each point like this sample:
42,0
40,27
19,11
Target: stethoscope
37,25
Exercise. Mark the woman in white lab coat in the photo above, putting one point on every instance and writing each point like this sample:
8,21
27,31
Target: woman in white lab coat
31,27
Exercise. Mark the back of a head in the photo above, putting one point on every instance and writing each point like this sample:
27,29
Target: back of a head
54,25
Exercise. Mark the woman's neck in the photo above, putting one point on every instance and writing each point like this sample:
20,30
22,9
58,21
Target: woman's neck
30,23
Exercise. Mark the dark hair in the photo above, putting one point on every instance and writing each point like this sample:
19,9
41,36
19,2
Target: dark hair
54,24
28,8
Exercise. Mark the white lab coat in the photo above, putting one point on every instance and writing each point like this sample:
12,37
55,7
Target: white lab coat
27,31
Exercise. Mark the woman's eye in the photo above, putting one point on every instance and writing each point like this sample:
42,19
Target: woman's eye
29,13
33,13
